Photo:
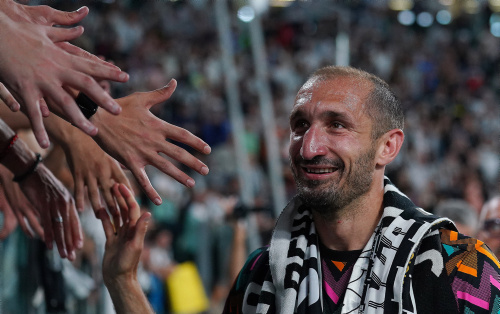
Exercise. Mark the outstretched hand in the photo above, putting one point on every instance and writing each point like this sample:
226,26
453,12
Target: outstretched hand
124,243
57,211
137,137
36,62
16,203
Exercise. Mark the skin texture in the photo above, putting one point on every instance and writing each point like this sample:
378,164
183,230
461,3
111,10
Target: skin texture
14,202
36,62
48,195
137,137
9,218
122,254
490,210
331,135
94,172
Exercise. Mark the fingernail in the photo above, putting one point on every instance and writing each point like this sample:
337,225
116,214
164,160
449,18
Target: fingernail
79,244
72,256
44,143
81,9
207,149
190,183
157,201
204,170
123,76
64,253
114,107
89,128
171,80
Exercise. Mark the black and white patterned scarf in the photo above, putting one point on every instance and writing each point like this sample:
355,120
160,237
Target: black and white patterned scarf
294,283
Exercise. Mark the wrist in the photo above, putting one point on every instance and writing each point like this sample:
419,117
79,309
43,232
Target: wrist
122,285
19,159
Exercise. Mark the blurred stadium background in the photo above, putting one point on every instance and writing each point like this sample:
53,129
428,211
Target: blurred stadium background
238,65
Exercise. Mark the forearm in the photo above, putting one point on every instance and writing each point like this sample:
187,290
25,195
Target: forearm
16,157
128,297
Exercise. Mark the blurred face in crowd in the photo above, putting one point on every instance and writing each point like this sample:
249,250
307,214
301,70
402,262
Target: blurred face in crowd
489,231
331,149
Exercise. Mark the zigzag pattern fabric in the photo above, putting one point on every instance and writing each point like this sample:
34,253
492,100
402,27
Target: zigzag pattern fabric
413,261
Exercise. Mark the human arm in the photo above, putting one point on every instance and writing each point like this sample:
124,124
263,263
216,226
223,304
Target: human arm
18,204
122,254
137,137
51,199
90,166
36,63
9,218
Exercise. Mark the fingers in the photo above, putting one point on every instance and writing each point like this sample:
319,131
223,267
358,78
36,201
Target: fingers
68,235
120,177
122,204
56,17
76,228
141,227
57,34
44,108
143,180
181,155
110,203
58,232
34,223
79,194
160,95
8,99
184,136
171,170
79,52
94,195
92,89
47,227
73,114
106,225
133,208
35,116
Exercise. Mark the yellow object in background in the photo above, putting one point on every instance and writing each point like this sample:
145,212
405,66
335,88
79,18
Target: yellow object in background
185,289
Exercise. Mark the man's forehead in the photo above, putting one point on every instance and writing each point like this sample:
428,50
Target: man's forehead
348,90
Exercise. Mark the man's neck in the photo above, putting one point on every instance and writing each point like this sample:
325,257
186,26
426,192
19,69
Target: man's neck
351,228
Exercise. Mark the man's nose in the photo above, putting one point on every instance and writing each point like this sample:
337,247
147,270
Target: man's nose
313,143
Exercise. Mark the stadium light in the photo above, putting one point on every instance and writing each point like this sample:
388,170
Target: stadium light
406,17
246,14
425,19
443,17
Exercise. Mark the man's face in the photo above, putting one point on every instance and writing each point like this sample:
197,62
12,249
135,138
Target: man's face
489,232
331,149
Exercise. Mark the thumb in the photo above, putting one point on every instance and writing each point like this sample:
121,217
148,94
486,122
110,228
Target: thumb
141,228
160,95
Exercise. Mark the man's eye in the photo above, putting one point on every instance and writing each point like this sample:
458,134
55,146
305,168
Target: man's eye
301,124
337,125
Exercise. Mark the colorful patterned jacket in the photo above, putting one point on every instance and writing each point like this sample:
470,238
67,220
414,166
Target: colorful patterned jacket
416,262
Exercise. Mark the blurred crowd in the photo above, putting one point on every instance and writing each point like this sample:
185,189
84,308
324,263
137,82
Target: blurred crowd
446,77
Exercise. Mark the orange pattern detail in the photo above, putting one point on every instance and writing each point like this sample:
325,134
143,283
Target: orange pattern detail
468,270
339,265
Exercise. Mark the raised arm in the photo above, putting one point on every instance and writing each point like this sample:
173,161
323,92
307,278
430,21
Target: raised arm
122,254
52,200
93,170
36,62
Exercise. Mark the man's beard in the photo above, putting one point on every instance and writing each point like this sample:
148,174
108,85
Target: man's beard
326,197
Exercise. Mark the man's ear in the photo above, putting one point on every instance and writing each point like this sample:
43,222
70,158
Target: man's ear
389,145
